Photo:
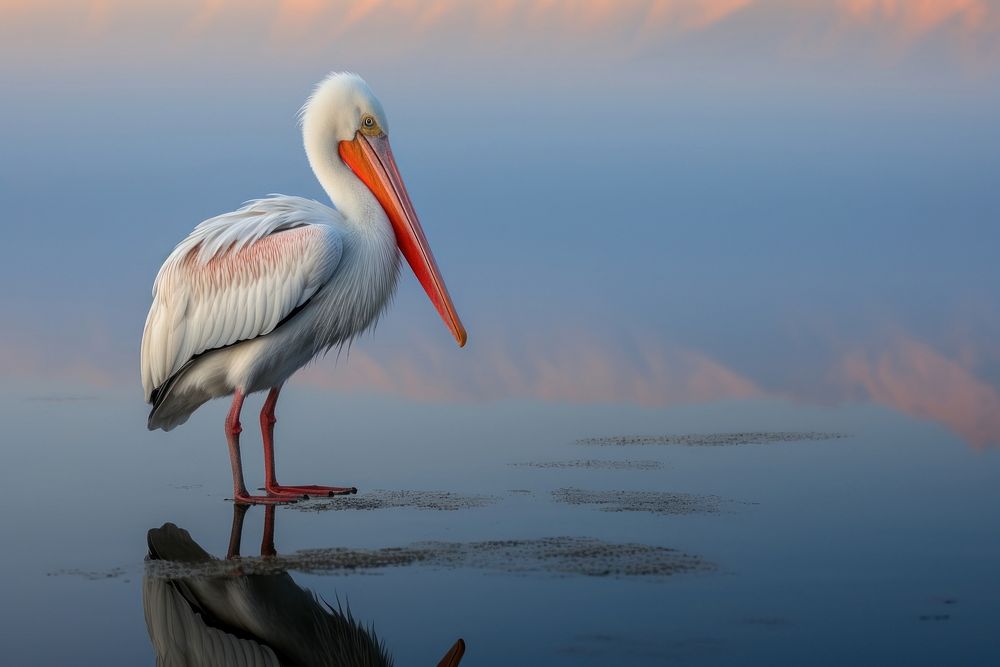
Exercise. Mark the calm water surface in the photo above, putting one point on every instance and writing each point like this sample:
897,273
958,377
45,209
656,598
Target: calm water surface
876,546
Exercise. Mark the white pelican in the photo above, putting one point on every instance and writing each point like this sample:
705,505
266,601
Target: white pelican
251,296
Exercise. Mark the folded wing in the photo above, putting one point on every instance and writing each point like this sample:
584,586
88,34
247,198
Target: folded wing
236,277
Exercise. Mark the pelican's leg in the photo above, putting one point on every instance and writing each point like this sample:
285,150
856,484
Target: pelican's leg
233,430
267,421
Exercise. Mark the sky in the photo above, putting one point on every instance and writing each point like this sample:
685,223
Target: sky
654,202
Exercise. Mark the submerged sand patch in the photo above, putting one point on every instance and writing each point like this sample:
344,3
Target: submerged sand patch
712,439
594,464
442,501
655,502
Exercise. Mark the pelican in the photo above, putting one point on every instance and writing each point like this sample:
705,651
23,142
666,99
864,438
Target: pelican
251,296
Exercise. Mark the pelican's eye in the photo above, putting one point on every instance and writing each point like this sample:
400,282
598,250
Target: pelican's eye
370,126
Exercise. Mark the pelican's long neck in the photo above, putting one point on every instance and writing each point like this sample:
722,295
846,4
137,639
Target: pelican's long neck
370,262
349,195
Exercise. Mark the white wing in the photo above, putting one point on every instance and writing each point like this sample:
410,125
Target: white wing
236,277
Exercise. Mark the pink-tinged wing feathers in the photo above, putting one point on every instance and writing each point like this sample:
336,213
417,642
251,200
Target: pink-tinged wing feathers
236,277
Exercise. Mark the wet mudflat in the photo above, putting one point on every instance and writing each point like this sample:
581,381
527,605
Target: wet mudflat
842,535
597,464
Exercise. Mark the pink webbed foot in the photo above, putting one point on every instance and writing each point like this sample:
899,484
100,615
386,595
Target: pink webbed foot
309,490
271,486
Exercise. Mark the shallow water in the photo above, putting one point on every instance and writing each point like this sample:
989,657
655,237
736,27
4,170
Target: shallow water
878,545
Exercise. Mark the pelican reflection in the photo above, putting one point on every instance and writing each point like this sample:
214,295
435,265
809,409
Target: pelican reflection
238,619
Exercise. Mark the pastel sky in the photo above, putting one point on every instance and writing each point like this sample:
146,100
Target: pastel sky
655,202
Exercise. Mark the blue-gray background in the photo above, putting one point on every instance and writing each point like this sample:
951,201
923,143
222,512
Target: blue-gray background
652,202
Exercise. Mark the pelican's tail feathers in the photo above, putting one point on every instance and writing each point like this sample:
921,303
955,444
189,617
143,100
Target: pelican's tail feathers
175,400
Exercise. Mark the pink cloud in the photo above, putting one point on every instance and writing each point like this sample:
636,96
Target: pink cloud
573,370
913,378
25,362
916,17
907,375
298,23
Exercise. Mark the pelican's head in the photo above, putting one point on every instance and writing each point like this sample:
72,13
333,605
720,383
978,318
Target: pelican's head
344,113
342,104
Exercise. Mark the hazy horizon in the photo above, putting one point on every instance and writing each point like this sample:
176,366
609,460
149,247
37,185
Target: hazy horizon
654,203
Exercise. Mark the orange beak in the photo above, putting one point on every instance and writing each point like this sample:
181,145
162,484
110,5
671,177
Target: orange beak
370,158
